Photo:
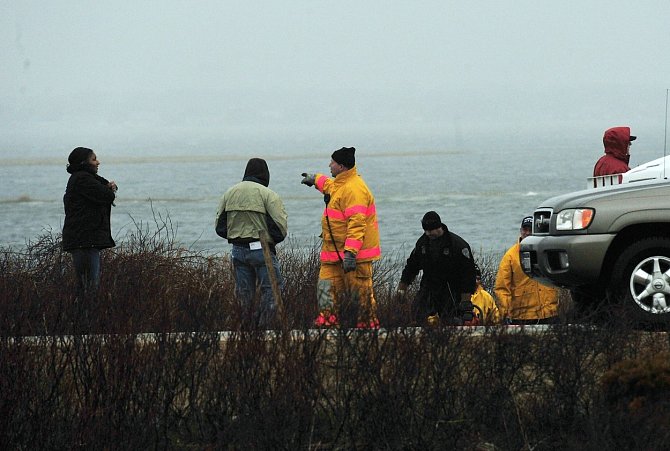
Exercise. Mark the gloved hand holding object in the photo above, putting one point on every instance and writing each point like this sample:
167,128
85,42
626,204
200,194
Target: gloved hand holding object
349,262
308,179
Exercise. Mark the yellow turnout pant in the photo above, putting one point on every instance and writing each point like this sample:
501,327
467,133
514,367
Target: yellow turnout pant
335,287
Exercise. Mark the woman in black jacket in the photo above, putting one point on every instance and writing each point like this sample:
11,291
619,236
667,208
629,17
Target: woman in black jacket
88,200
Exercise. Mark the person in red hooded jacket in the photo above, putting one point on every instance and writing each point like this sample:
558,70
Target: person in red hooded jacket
617,141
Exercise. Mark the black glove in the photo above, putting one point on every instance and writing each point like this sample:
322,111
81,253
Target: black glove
349,262
308,179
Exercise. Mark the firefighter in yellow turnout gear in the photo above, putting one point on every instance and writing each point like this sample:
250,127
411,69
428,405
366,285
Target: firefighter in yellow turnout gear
523,300
350,243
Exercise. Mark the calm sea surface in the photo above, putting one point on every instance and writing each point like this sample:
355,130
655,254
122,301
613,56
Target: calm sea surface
480,194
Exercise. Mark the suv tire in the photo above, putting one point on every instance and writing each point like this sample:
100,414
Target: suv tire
641,280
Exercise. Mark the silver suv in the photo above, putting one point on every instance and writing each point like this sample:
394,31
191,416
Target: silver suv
609,242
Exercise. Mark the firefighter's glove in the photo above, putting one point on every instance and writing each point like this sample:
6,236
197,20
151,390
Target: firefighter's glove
308,179
349,262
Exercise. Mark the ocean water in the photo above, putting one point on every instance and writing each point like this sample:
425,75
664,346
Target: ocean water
481,194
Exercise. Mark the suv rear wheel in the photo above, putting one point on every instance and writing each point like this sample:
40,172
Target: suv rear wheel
641,280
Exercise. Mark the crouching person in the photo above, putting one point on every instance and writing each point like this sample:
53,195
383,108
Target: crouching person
448,278
485,311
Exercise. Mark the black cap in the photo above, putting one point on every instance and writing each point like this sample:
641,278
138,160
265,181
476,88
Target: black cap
632,138
431,221
345,157
527,222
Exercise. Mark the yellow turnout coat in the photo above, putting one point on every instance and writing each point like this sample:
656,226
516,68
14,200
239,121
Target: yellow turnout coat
352,215
519,296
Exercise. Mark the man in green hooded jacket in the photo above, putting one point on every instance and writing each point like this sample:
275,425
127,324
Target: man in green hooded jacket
246,209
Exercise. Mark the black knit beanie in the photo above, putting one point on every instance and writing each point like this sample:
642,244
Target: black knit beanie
345,157
431,221
257,169
78,159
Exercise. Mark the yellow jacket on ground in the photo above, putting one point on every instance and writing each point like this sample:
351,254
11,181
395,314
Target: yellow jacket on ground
519,296
489,310
352,215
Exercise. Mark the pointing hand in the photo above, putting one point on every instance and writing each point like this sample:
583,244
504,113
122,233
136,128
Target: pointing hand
308,179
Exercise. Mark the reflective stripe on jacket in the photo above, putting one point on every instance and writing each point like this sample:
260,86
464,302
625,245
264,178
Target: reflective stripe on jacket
519,296
352,216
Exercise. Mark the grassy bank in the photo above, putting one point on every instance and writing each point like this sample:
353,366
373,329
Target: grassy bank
566,388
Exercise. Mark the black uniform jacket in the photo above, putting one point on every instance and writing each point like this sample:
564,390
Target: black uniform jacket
448,266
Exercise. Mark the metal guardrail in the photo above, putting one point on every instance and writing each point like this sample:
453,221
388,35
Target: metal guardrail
270,335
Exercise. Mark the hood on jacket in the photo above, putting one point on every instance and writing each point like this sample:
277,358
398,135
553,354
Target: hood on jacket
257,171
616,141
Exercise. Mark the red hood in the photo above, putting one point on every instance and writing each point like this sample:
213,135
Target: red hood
616,141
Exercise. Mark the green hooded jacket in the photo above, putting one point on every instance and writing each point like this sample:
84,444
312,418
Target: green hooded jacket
250,206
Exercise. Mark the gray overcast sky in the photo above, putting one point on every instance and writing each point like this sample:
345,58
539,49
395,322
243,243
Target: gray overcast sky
211,75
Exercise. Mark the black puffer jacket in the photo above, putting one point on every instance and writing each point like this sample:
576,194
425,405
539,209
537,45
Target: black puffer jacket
88,202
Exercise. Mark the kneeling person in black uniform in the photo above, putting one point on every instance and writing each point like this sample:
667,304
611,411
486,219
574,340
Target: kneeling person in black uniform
449,274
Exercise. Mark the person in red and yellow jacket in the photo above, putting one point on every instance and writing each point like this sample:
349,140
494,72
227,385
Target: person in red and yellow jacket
350,235
522,300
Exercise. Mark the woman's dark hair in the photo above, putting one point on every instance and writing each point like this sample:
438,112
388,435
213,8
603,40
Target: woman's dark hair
78,159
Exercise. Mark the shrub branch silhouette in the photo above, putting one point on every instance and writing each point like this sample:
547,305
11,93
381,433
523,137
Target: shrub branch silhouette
158,359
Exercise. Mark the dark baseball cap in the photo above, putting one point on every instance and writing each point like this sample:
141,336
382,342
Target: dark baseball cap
527,222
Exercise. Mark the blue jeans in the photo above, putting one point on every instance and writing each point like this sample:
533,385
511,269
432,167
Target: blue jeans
250,269
87,267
